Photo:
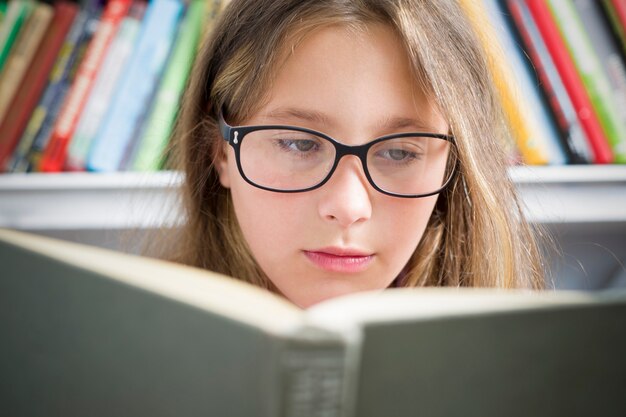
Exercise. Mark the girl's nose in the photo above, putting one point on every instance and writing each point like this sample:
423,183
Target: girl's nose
346,196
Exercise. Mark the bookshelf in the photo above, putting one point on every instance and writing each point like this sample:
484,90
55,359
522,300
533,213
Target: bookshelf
582,207
554,195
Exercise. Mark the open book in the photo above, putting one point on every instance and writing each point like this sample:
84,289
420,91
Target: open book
90,332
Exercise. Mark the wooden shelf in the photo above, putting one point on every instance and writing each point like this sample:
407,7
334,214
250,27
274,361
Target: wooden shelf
90,201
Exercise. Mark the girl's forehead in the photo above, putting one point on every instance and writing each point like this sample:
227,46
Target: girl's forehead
337,72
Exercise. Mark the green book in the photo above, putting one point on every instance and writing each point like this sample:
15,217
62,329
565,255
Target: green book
592,74
16,14
87,331
3,10
150,150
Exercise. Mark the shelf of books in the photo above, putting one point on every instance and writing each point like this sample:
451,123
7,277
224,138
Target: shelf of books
94,86
128,200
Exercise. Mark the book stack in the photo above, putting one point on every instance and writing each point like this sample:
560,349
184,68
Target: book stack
100,82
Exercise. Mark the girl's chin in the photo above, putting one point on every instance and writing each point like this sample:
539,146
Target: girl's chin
326,292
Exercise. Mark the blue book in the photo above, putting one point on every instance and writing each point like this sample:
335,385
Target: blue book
148,59
535,107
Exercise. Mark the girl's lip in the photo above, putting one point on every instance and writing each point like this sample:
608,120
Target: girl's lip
339,259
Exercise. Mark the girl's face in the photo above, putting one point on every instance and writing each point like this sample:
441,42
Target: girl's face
345,236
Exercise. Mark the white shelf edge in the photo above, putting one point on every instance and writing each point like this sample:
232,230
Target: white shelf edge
128,200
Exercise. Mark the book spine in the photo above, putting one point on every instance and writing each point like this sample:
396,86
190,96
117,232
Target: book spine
154,139
315,375
530,101
618,18
53,158
137,85
35,79
571,80
17,12
89,28
103,90
19,161
574,137
507,90
605,45
25,47
594,79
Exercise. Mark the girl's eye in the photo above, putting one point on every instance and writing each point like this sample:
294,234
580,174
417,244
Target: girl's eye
398,155
298,145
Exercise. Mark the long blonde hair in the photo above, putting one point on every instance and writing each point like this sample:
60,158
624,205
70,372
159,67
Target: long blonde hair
477,235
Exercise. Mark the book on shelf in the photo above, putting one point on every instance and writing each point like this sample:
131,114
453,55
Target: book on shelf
14,16
525,136
575,142
35,79
94,332
33,139
44,136
152,142
616,12
22,54
53,158
137,85
607,49
571,80
105,86
3,10
593,77
530,99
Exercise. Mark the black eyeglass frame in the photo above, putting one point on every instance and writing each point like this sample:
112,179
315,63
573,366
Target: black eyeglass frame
235,135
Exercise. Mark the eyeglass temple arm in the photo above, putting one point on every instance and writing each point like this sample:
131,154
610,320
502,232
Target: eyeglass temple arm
225,129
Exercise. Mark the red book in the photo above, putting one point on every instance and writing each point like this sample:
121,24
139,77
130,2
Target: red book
53,158
571,80
620,11
35,79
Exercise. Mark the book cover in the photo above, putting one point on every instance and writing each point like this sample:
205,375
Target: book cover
119,334
16,13
136,86
155,137
571,80
35,79
575,141
91,24
534,105
594,79
525,136
54,155
22,54
107,81
53,93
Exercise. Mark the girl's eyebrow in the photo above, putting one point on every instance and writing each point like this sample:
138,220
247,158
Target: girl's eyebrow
397,123
298,113
388,123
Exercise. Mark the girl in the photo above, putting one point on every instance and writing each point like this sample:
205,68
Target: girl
338,146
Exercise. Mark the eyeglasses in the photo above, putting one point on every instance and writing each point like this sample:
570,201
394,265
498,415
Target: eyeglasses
290,159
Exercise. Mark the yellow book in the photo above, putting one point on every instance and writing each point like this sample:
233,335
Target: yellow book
524,130
22,53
